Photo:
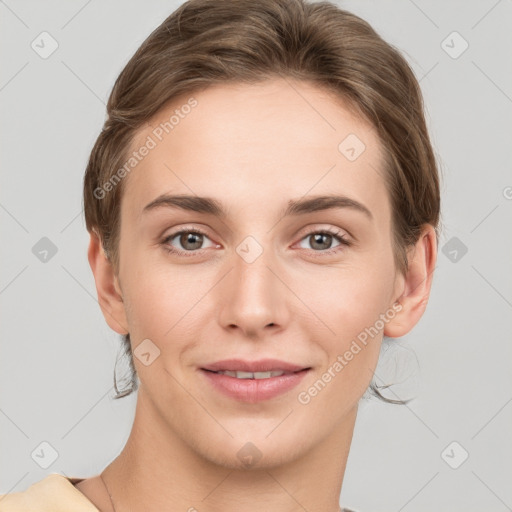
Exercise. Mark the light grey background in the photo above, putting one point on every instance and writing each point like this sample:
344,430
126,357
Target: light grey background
58,353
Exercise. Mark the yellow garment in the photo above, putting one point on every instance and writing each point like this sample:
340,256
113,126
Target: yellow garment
54,493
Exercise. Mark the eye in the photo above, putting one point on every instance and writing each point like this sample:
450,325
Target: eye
321,241
191,240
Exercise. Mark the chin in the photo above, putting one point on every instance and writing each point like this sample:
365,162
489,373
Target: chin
252,452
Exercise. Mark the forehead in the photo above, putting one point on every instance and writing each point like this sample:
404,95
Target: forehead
256,142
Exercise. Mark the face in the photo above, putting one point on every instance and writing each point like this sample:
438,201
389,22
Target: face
270,274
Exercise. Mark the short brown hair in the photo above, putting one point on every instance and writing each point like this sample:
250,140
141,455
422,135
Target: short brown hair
208,42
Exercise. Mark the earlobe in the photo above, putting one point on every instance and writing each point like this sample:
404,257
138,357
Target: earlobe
107,287
416,284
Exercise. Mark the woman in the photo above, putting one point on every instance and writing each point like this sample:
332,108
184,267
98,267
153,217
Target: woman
263,205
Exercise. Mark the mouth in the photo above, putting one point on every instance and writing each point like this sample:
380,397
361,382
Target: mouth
262,366
239,374
253,382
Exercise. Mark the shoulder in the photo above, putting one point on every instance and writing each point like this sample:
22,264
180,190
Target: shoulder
55,493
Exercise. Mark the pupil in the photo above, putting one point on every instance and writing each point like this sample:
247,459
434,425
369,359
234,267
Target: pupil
189,238
320,236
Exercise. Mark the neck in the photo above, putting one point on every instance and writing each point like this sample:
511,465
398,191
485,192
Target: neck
158,471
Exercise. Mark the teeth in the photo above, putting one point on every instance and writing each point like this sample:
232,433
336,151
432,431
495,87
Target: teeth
251,375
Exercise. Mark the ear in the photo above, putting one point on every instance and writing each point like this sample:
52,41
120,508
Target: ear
107,286
415,285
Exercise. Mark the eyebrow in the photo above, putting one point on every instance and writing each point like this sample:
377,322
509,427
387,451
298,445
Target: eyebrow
294,207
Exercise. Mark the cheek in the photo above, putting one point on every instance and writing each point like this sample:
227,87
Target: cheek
353,307
350,299
160,310
159,303
351,353
167,303
166,300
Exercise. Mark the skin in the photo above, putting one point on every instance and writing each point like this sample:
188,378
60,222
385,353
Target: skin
253,148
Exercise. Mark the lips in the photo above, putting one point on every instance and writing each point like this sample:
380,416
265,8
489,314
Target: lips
253,381
251,375
253,390
261,366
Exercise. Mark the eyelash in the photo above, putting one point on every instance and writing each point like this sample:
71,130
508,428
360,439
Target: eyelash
328,231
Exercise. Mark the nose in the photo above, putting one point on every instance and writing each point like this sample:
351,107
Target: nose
253,297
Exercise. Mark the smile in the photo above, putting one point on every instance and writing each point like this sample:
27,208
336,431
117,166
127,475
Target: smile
251,375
